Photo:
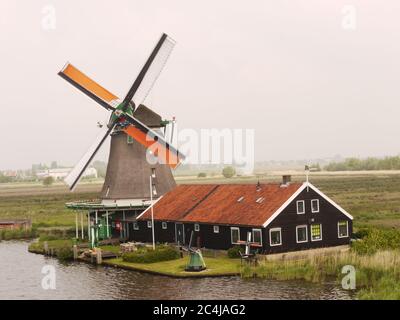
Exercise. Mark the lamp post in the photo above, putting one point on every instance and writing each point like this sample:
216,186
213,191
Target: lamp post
152,212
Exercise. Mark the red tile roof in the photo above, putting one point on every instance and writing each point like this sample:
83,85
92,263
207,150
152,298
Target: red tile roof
174,205
218,204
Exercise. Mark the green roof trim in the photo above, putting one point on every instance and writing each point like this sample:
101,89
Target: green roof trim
96,204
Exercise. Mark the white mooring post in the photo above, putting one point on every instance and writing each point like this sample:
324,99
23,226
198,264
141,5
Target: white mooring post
75,251
152,213
82,233
108,231
76,225
88,226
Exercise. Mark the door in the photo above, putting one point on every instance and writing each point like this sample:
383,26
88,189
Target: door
179,233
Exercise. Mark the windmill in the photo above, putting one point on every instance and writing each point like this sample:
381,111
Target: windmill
128,116
196,261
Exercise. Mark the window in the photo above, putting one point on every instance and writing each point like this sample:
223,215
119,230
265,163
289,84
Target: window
343,229
314,205
216,229
149,224
164,225
153,172
153,187
301,234
235,235
257,236
275,237
316,232
135,226
301,208
196,227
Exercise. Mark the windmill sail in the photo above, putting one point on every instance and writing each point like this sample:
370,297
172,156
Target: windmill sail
150,71
89,87
76,174
165,152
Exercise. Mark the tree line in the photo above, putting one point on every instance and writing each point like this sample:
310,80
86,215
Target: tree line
355,164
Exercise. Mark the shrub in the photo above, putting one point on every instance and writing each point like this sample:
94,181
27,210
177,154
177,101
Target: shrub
202,175
48,237
48,181
10,234
228,172
234,252
64,253
144,255
377,239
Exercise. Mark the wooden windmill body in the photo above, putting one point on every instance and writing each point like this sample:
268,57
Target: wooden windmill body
128,170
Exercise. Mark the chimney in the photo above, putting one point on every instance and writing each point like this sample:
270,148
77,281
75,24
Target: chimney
286,180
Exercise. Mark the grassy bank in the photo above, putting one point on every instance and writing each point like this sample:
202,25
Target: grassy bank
377,275
375,258
6,234
221,266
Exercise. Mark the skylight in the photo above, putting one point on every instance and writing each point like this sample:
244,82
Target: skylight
259,200
240,199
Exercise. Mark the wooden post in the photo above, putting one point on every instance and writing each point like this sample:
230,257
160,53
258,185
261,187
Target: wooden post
46,247
98,256
75,250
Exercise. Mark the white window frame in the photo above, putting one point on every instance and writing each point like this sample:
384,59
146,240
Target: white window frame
280,232
259,230
216,229
238,230
164,225
320,224
312,210
135,226
196,227
297,233
347,228
149,224
297,206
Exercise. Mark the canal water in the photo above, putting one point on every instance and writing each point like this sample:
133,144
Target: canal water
21,278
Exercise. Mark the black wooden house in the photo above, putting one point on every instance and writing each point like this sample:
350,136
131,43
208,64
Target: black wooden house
280,217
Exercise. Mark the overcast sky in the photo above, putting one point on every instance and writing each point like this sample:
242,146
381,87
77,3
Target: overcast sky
292,70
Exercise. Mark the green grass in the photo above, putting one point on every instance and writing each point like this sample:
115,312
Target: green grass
45,206
221,266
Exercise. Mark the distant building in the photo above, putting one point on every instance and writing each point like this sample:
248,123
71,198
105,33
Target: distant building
15,224
61,173
10,174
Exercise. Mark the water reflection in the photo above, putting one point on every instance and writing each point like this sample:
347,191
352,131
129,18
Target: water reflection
20,278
